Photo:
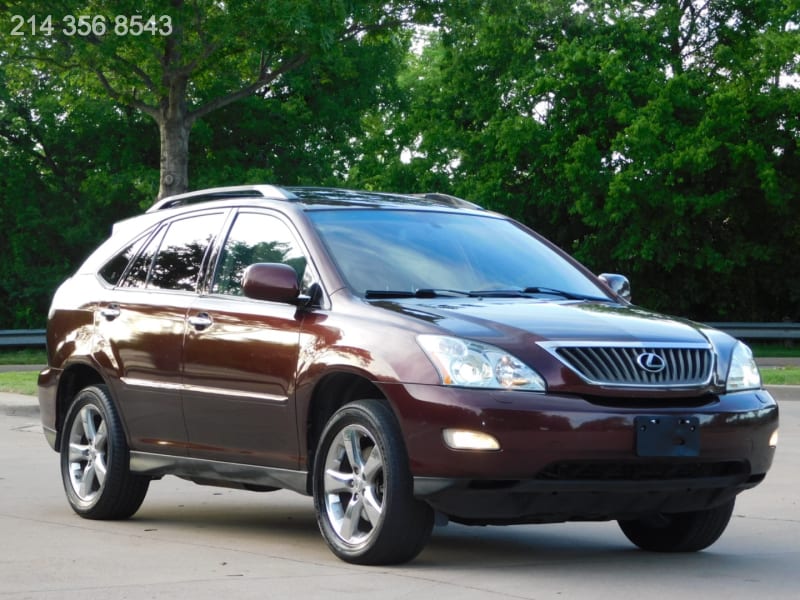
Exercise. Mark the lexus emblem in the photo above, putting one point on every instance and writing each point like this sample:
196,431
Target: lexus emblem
651,362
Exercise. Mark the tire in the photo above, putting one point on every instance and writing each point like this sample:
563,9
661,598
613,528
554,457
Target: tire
680,532
95,459
363,488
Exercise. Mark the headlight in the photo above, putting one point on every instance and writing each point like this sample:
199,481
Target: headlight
743,374
466,363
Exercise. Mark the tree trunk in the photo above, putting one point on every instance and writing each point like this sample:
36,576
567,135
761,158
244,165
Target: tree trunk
174,134
174,125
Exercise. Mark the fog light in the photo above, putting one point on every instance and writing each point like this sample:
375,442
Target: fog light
463,439
773,439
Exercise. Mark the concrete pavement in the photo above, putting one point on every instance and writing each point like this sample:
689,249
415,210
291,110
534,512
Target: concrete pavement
198,542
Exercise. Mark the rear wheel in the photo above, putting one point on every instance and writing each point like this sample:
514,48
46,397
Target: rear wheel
363,488
680,532
94,459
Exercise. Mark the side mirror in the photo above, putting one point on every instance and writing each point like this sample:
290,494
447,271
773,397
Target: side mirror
618,284
275,282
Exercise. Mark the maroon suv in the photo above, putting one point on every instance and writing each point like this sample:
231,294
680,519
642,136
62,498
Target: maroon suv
403,359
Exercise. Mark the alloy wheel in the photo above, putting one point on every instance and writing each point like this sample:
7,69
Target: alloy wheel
354,485
88,453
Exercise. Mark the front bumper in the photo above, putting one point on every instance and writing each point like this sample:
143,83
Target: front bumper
568,458
502,502
48,398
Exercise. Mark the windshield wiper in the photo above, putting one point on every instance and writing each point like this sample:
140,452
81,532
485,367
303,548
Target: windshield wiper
439,293
420,293
562,293
536,290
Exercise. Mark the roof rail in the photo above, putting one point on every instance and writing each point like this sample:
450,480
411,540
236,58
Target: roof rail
449,200
238,191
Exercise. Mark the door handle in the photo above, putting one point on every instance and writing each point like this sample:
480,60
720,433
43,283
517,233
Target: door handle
110,312
201,321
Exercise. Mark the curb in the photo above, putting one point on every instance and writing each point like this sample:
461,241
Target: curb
19,405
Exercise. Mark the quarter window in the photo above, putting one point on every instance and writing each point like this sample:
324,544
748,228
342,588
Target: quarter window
114,268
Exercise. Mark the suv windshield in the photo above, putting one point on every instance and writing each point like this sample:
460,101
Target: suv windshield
382,253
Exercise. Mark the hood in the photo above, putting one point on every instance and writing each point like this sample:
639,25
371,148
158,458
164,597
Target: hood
494,319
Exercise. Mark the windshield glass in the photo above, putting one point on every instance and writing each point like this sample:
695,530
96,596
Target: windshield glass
406,251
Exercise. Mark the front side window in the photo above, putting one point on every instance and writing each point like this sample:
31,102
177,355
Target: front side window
257,238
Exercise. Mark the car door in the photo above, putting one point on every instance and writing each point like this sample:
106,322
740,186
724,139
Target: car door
240,355
141,328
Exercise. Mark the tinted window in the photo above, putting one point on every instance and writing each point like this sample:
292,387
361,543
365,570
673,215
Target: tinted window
257,238
402,250
180,256
113,269
137,274
173,259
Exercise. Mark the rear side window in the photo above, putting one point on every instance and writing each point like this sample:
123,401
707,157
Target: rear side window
174,258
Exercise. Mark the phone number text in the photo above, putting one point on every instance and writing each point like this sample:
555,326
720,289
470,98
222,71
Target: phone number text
92,25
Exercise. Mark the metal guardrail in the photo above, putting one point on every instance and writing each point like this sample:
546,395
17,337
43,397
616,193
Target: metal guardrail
22,337
749,331
761,331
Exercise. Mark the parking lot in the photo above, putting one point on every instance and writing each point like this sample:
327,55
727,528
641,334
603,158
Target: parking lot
189,541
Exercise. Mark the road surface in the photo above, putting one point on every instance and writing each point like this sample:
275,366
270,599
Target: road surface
189,541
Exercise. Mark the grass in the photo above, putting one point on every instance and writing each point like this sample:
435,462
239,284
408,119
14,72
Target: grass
775,350
28,356
781,376
24,382
19,382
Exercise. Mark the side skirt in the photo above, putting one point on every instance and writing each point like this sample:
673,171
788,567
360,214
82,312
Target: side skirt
211,472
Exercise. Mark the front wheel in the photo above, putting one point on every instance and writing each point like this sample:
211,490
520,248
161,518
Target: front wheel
363,488
94,459
680,532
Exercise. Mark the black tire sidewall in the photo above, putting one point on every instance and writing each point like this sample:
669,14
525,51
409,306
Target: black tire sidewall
401,512
685,532
105,504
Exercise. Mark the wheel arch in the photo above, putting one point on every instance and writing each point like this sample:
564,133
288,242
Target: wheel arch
72,380
331,392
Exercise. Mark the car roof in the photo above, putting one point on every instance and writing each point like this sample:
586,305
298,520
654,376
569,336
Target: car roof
312,196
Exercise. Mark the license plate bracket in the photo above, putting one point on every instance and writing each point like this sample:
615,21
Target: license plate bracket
666,436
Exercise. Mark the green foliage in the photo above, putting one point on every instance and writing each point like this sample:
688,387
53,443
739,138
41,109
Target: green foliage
68,173
303,136
192,58
656,139
81,115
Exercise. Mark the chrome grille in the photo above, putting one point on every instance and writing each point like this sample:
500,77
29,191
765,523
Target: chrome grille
636,365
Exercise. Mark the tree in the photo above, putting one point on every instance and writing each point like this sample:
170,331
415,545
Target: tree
653,138
74,161
68,173
178,61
